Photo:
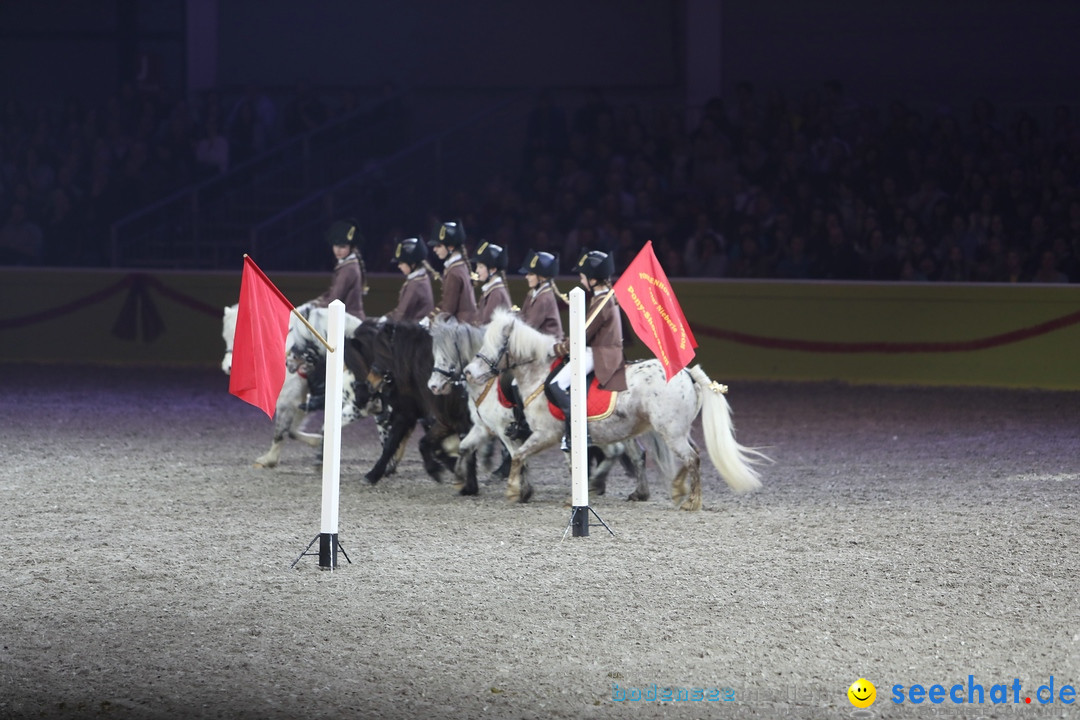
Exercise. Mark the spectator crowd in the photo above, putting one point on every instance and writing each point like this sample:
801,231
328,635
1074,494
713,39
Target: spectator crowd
67,173
752,187
826,188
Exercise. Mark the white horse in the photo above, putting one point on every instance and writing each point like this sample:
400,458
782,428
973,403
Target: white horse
453,345
288,414
649,403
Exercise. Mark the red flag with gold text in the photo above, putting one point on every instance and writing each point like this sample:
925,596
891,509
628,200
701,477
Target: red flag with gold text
262,325
646,297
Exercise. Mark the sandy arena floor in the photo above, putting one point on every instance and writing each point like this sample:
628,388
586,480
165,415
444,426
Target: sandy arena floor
905,535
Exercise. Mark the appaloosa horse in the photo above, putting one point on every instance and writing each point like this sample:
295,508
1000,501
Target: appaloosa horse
649,403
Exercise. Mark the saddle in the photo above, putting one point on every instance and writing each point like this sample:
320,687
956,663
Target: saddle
599,403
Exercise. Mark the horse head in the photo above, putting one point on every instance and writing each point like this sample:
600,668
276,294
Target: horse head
493,355
453,344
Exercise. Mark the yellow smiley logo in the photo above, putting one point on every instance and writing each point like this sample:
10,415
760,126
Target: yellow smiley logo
862,693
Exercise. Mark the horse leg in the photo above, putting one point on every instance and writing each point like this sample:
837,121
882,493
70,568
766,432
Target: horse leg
470,486
604,463
686,496
287,418
633,462
693,502
432,452
469,448
400,428
518,487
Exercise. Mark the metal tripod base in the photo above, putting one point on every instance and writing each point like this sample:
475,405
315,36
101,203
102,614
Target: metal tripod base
579,522
328,550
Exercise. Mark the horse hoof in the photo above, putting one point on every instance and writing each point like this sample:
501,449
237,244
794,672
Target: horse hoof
691,504
371,478
637,497
526,494
597,489
467,491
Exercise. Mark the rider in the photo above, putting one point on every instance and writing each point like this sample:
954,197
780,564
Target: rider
540,312
415,300
491,275
457,293
349,273
603,335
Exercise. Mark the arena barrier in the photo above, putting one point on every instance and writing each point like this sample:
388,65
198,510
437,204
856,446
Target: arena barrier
896,333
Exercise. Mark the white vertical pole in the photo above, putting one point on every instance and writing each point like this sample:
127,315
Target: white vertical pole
579,469
331,464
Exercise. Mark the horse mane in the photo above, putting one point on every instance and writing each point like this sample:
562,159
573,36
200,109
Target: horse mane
525,342
404,350
454,339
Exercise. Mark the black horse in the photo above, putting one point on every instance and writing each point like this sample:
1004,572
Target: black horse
400,361
308,358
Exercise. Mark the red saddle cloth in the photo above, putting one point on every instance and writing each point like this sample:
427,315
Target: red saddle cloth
598,402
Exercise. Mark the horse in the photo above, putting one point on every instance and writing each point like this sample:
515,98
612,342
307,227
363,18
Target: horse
650,402
395,414
290,408
453,345
287,412
401,362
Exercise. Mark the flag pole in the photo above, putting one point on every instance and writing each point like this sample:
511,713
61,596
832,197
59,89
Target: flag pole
331,463
295,312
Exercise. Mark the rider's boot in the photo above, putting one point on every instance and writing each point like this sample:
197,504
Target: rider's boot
561,398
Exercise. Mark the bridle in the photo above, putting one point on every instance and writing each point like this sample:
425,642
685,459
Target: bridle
493,364
453,377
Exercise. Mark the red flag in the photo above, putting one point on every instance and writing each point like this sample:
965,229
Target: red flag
645,295
262,324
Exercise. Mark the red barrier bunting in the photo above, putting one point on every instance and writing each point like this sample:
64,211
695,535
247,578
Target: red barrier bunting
138,308
890,347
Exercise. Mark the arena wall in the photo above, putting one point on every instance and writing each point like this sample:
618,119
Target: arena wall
897,333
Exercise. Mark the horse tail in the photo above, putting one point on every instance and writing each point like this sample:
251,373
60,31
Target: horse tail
734,461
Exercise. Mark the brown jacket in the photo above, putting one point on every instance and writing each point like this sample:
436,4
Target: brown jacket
346,286
416,300
457,292
541,312
491,299
603,334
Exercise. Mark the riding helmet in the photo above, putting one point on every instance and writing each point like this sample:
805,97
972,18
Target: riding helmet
451,234
543,264
410,251
492,255
345,232
596,265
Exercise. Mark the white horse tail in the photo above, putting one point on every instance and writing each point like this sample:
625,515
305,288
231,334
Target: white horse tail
734,461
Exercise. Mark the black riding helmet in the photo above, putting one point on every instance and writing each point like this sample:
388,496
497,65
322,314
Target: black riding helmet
410,251
596,265
492,255
451,234
543,264
345,232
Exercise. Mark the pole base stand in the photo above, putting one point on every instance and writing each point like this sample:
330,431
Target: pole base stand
328,550
579,522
